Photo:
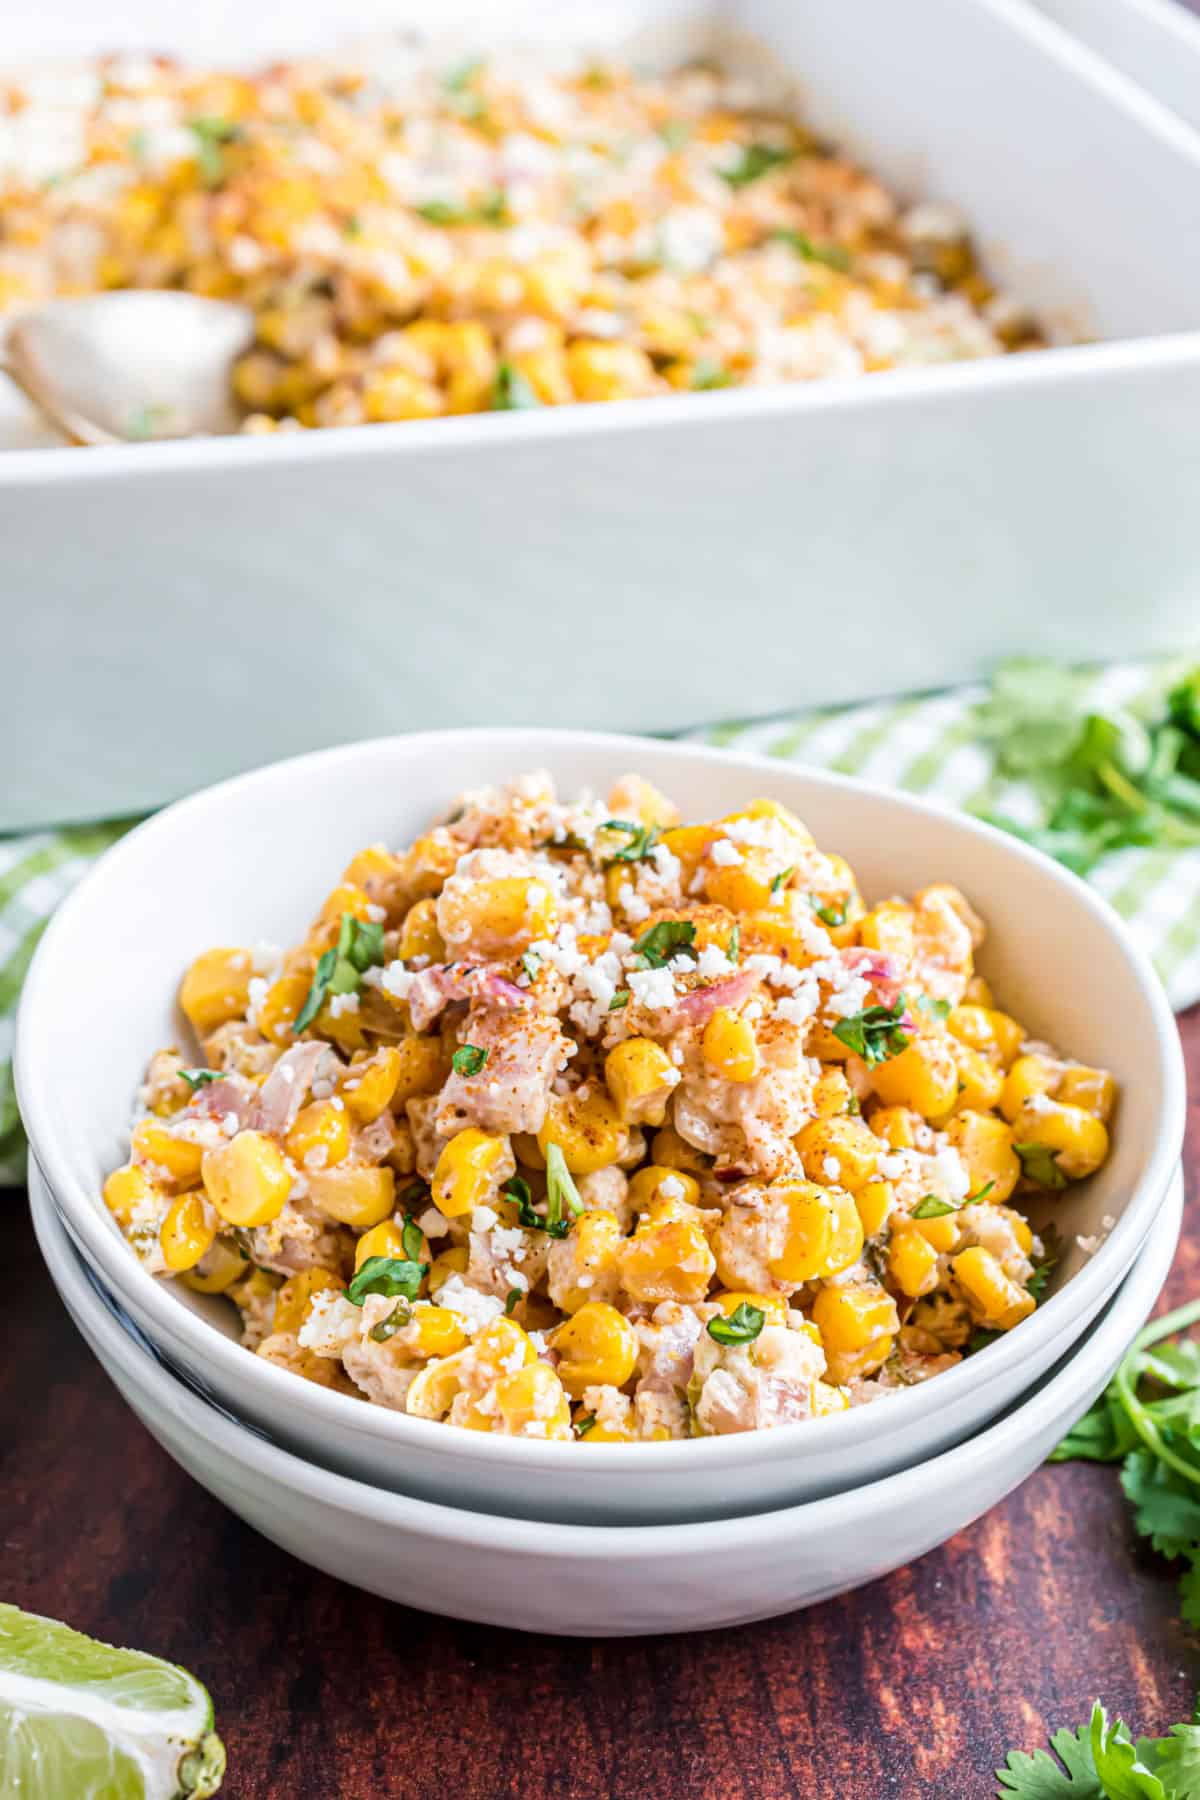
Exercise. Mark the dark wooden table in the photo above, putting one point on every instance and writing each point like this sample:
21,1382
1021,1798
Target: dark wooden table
913,1687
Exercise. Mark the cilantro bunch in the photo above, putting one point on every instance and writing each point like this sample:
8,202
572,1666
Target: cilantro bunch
1148,1420
1103,781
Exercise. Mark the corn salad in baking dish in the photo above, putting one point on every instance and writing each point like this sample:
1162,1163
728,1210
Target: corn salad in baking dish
419,238
574,1121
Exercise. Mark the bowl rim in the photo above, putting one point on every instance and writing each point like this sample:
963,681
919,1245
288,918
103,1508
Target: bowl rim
282,1390
1077,1371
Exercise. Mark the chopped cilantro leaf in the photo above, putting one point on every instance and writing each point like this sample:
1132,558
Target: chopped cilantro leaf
642,839
741,1327
619,1001
198,1078
875,1034
756,160
517,1189
934,1009
399,1316
512,1300
709,374
585,1423
562,1196
931,1207
733,948
513,393
491,210
212,136
668,938
1038,1164
386,1275
340,970
412,1238
833,916
531,962
832,255
780,881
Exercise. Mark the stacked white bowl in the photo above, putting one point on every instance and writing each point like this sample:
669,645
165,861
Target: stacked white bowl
561,1537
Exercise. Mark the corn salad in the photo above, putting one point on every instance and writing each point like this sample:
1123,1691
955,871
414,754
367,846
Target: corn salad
419,239
574,1121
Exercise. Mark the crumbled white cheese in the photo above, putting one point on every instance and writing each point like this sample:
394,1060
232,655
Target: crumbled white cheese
473,1309
652,988
332,1323
395,980
712,961
257,991
724,853
635,908
342,1003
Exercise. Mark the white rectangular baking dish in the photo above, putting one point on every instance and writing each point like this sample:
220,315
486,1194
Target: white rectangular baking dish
1155,42
174,612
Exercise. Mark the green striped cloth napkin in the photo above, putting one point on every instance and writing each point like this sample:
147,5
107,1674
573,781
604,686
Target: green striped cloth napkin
927,744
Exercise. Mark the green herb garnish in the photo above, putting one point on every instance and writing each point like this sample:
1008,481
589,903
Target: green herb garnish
412,1238
833,916
198,1078
512,393
832,255
875,1033
741,1327
1052,1251
670,937
675,134
1148,1420
778,882
491,210
340,970
584,1424
1102,781
392,1275
1038,1165
756,160
619,1001
733,948
399,1316
934,1009
708,374
212,136
531,962
562,1196
468,1059
512,1300
642,839
931,1207
517,1189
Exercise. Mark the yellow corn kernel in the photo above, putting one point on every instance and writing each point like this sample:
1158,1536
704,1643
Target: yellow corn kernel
221,1265
370,1086
941,1232
912,1264
293,1303
985,1144
828,1399
392,394
994,1300
656,1185
632,797
729,1046
178,1157
774,1305
247,1179
874,1202
595,1243
670,1151
433,1391
216,989
531,1402
498,916
888,927
450,1262
470,1168
823,1228
671,1261
640,1077
187,1233
419,934
979,993
281,1004
503,1345
831,1095
1077,1141
1028,1076
925,1077
545,369
851,1365
432,1331
322,1131
1094,1090
1020,1227
380,874
602,1434
745,886
258,1285
602,370
596,1347
994,1034
896,1125
386,1239
689,843
347,897
422,1068
354,1195
980,1080
845,1141
849,1318
587,1128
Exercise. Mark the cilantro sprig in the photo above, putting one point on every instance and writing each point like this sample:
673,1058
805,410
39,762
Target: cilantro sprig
832,255
395,1276
639,841
875,1034
659,943
1148,1420
563,1200
931,1207
340,970
1039,1165
513,392
1101,781
198,1078
757,160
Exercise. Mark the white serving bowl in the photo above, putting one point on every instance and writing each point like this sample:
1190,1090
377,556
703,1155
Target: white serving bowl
602,1581
252,858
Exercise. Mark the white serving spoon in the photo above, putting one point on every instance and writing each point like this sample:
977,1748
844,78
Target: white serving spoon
130,365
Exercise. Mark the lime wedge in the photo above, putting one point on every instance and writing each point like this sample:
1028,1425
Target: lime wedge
84,1721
